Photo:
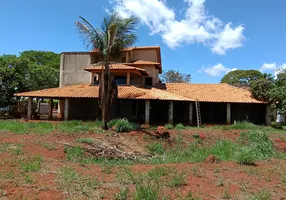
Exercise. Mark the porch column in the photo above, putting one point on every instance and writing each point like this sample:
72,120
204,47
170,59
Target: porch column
190,113
268,115
171,112
147,112
228,113
30,108
91,78
66,112
128,78
50,109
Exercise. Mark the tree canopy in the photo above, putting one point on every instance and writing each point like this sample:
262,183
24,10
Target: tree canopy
115,34
173,76
32,70
244,77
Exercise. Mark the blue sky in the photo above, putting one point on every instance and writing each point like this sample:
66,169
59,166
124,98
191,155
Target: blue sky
205,38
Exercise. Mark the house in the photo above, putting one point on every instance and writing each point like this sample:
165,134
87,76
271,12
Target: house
142,97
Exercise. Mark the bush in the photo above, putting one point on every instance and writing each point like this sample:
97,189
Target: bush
179,127
155,148
122,125
169,126
245,156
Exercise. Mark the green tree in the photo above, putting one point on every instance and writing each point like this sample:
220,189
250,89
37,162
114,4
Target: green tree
242,77
13,73
173,76
114,35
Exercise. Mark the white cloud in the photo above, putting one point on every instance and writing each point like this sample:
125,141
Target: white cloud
196,26
273,67
217,70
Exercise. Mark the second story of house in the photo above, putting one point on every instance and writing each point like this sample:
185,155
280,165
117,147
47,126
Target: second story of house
135,66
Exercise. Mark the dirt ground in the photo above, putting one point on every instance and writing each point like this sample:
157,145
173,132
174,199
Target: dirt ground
222,180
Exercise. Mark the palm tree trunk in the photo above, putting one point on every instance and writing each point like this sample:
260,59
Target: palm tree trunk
105,95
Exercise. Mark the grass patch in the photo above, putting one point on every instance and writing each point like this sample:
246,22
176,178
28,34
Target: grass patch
78,185
49,146
155,148
85,140
32,164
169,126
122,194
122,125
261,195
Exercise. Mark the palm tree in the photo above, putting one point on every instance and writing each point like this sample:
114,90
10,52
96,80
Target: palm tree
115,34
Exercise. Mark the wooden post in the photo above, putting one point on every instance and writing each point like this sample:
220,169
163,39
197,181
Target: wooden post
268,115
50,109
171,112
30,108
228,113
128,78
66,115
92,78
190,113
147,112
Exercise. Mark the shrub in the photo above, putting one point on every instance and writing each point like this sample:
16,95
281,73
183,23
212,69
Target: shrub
169,126
122,125
179,127
245,156
155,148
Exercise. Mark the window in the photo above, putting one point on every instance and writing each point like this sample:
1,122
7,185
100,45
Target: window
121,80
148,81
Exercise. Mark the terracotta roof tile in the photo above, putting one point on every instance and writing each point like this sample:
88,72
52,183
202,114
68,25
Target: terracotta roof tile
87,91
143,62
117,66
212,92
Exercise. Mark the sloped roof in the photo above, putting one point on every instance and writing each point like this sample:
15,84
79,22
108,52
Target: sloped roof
143,62
117,66
212,92
219,93
87,91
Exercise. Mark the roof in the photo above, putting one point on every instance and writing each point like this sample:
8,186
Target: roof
212,92
219,93
143,62
87,91
117,67
135,48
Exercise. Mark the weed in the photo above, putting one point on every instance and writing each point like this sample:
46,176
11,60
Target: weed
220,182
122,125
155,148
73,127
261,195
75,154
4,147
177,179
106,169
122,194
48,146
17,151
32,165
77,184
245,156
28,179
217,169
146,192
180,127
226,194
86,140
169,126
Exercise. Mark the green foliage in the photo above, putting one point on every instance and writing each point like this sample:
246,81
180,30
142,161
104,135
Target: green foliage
261,195
180,127
155,148
77,184
242,77
85,140
174,76
169,126
75,154
122,125
32,70
145,192
32,165
122,194
245,156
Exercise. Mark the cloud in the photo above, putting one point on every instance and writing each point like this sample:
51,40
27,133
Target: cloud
217,70
195,27
273,67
